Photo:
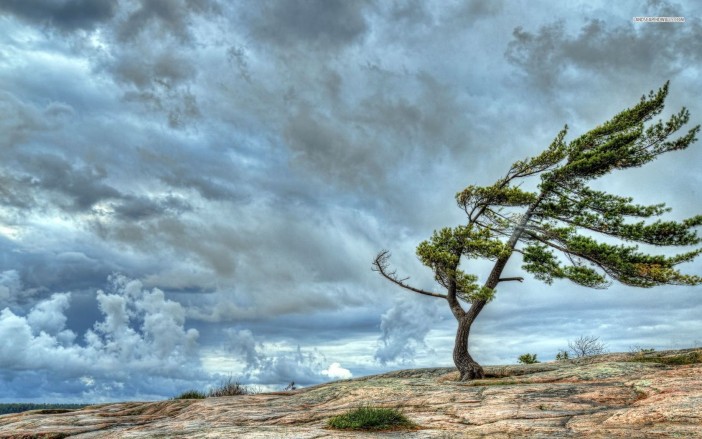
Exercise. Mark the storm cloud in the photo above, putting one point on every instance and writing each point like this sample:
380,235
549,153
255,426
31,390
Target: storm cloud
195,189
544,55
66,15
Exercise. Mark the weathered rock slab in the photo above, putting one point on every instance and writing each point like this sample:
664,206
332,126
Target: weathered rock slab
611,396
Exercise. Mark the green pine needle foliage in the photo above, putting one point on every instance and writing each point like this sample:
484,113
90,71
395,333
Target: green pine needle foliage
563,229
528,359
559,228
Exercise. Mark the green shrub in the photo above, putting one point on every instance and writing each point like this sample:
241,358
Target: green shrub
191,394
528,359
371,418
228,387
562,355
638,349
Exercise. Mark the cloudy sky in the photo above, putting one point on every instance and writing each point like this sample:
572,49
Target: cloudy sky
195,189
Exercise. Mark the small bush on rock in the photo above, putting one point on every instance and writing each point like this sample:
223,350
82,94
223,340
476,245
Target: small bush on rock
229,387
191,394
371,418
528,359
562,355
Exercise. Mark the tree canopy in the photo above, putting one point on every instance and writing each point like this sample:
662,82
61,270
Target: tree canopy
564,229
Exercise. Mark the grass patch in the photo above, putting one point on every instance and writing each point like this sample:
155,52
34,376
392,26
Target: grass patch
228,387
191,394
694,357
371,418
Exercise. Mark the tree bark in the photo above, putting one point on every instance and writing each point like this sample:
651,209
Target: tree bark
468,368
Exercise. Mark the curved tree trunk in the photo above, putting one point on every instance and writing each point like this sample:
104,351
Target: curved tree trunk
468,368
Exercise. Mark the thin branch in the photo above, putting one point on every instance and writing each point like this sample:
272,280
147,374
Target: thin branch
569,254
507,279
493,229
380,264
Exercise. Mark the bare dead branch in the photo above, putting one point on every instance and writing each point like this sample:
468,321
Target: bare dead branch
587,345
380,264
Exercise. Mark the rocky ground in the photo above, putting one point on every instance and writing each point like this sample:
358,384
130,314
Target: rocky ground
644,395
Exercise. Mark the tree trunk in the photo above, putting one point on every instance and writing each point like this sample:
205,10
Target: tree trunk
468,368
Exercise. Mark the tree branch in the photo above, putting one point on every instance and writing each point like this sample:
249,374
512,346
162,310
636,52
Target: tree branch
569,254
501,262
380,264
507,279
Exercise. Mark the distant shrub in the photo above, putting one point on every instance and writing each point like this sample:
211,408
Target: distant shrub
638,349
562,355
290,387
371,418
690,358
528,359
586,345
191,394
694,357
229,387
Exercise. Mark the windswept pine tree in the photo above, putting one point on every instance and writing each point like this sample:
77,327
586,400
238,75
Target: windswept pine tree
558,229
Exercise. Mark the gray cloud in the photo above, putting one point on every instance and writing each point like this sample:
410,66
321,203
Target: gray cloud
162,86
404,329
607,50
10,287
410,12
133,208
147,49
471,11
249,162
15,192
303,367
320,23
321,147
19,120
65,15
166,17
82,186
209,187
165,69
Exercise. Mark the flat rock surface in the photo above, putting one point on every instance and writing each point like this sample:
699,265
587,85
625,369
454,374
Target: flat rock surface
648,395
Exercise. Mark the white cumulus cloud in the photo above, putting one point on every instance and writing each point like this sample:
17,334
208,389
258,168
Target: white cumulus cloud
140,347
335,371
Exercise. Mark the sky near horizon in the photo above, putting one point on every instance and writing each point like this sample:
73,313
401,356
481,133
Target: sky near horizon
196,189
